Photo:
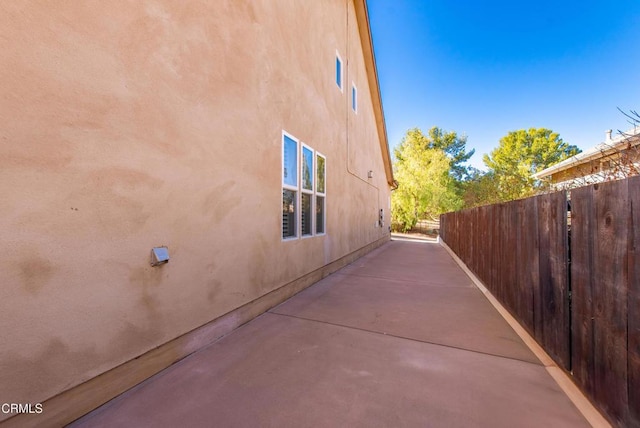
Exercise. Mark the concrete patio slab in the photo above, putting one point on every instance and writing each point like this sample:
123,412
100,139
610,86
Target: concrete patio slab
417,311
415,261
370,346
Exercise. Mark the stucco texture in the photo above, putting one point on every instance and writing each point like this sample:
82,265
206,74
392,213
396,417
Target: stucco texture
128,125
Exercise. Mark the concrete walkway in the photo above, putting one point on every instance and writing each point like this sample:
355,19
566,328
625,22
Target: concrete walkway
399,338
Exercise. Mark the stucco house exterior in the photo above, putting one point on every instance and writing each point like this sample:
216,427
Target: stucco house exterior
615,158
246,139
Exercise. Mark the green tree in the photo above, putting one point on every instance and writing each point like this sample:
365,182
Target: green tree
455,147
481,188
425,187
450,143
521,154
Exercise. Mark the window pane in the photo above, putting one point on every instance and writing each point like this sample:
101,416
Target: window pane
307,169
319,214
338,72
320,178
290,162
306,214
354,99
288,213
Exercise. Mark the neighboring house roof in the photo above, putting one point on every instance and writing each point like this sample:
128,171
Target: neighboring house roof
362,15
610,146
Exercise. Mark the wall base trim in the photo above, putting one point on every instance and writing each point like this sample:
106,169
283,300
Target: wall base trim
77,401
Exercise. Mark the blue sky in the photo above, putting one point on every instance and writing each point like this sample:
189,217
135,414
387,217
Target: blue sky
484,68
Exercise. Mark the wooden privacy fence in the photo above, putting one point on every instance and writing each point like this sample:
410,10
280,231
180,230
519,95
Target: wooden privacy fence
575,287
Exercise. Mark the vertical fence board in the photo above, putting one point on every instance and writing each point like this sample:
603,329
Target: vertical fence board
471,230
520,300
507,255
560,275
456,220
452,232
489,243
610,270
498,228
484,226
464,235
582,233
504,261
500,261
464,228
554,326
510,234
528,268
475,241
495,249
492,276
544,269
457,232
633,305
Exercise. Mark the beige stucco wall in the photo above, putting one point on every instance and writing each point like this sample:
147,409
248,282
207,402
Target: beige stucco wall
127,125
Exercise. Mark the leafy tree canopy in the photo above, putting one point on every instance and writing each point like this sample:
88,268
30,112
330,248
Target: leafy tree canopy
425,187
455,147
480,189
521,154
450,143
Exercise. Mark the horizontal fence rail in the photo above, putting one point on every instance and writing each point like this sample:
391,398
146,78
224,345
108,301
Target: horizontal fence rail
575,287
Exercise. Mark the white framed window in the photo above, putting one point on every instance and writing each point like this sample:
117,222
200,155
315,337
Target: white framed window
339,71
354,97
307,188
321,192
303,189
290,162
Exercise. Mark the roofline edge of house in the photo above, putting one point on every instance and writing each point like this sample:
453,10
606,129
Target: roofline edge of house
604,149
362,16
